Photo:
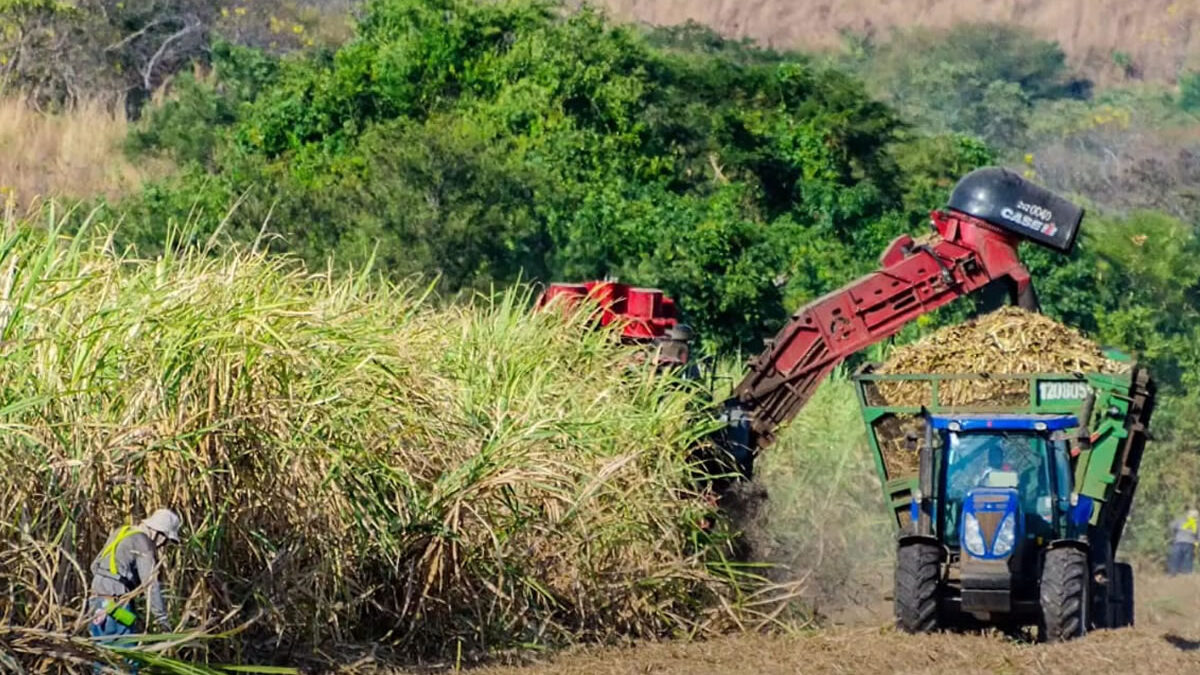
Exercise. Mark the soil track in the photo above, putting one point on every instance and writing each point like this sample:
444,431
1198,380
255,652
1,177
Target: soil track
1166,640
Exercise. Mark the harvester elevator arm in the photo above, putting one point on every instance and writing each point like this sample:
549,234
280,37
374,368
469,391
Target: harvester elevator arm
914,278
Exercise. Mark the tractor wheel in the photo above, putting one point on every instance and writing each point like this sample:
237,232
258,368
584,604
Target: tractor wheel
1065,589
1124,574
918,576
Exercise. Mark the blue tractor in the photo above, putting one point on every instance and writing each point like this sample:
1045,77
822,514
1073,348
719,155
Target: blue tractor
1012,512
1005,492
997,504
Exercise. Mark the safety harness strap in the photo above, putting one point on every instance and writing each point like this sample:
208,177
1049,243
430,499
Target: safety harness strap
111,549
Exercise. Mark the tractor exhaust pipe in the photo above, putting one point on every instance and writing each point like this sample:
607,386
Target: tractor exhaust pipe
925,481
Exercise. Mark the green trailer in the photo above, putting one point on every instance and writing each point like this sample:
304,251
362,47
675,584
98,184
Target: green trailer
1010,508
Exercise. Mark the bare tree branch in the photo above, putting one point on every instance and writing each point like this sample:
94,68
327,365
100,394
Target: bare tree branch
148,71
135,35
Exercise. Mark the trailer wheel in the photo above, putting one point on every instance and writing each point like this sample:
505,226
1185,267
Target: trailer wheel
918,574
1105,608
1124,574
1064,594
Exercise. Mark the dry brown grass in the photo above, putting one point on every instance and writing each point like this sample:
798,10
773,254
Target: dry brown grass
74,154
1159,35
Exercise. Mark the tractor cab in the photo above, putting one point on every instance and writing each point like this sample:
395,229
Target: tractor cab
1025,457
1003,486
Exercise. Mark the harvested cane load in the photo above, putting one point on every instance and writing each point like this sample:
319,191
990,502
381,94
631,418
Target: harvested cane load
1009,341
1005,342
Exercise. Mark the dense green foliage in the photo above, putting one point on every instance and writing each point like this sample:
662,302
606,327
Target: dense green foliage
486,142
981,79
1189,92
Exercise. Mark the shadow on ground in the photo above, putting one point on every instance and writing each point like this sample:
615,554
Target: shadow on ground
1182,644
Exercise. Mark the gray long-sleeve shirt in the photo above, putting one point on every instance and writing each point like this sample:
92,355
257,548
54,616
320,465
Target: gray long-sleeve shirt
1183,535
135,558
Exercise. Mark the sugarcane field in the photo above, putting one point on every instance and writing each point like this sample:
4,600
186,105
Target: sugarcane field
533,336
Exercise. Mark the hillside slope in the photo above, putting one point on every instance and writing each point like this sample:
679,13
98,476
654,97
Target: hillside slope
1158,35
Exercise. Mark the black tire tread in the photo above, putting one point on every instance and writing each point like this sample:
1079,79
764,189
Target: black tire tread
918,575
1064,594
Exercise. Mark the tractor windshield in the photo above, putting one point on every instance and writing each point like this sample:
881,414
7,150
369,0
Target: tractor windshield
1009,459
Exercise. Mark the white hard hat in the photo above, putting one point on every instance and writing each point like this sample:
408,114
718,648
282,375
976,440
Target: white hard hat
164,521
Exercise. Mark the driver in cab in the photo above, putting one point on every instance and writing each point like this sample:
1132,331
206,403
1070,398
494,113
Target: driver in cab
1000,473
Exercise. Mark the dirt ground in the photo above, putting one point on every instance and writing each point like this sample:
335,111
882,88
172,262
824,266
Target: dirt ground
1165,640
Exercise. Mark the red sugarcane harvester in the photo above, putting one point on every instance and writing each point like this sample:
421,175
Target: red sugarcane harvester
646,316
973,246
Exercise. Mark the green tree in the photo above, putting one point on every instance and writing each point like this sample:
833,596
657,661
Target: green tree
978,79
485,142
190,125
1189,91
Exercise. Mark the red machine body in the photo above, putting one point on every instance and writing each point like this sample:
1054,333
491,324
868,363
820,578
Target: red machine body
914,278
643,313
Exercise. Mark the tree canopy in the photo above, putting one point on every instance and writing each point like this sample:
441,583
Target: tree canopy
493,141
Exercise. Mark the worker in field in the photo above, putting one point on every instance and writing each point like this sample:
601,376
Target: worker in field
128,564
1184,538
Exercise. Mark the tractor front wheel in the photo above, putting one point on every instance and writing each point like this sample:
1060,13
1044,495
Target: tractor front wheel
918,578
1065,590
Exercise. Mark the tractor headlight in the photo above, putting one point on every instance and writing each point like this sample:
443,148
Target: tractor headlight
1006,538
972,536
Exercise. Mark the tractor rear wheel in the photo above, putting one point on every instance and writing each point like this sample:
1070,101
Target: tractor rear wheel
1065,590
918,578
1124,575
